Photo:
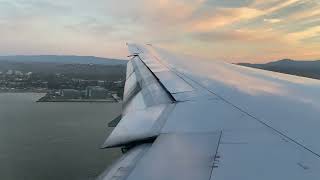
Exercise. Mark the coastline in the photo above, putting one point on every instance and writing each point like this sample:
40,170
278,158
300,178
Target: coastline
48,99
79,100
23,91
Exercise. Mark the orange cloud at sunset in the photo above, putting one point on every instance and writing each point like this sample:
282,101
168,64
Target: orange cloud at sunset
243,30
223,17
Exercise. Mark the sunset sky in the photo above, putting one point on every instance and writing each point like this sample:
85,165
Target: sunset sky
231,30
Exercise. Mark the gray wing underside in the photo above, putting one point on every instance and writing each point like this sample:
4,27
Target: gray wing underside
192,119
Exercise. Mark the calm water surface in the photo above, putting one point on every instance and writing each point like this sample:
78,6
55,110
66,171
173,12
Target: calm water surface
53,141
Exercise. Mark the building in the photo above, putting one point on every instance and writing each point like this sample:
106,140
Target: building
18,73
70,94
97,92
28,74
9,72
100,83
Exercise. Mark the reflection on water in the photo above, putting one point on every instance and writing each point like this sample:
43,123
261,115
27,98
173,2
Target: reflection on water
44,141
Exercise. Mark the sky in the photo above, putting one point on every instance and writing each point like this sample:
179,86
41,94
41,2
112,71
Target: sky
229,30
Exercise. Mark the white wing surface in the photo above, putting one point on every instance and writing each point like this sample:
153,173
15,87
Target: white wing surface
186,118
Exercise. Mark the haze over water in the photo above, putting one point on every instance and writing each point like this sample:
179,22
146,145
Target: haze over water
50,141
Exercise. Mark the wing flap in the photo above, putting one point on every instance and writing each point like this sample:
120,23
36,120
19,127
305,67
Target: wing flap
138,125
146,103
171,81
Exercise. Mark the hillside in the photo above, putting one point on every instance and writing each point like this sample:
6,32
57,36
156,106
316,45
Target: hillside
84,67
309,69
63,59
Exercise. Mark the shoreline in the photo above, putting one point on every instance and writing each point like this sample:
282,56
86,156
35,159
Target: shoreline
23,91
75,100
48,99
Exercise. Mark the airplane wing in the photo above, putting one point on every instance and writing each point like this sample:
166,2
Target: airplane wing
191,119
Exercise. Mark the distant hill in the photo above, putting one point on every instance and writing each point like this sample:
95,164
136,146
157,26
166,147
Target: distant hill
63,59
83,67
309,69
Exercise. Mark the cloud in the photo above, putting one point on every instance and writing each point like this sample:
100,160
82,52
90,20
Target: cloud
228,3
222,17
273,20
220,36
31,8
305,34
273,5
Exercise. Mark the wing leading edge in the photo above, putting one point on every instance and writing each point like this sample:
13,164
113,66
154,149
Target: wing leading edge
203,120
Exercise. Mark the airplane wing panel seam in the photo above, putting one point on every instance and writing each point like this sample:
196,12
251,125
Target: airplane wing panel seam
215,156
